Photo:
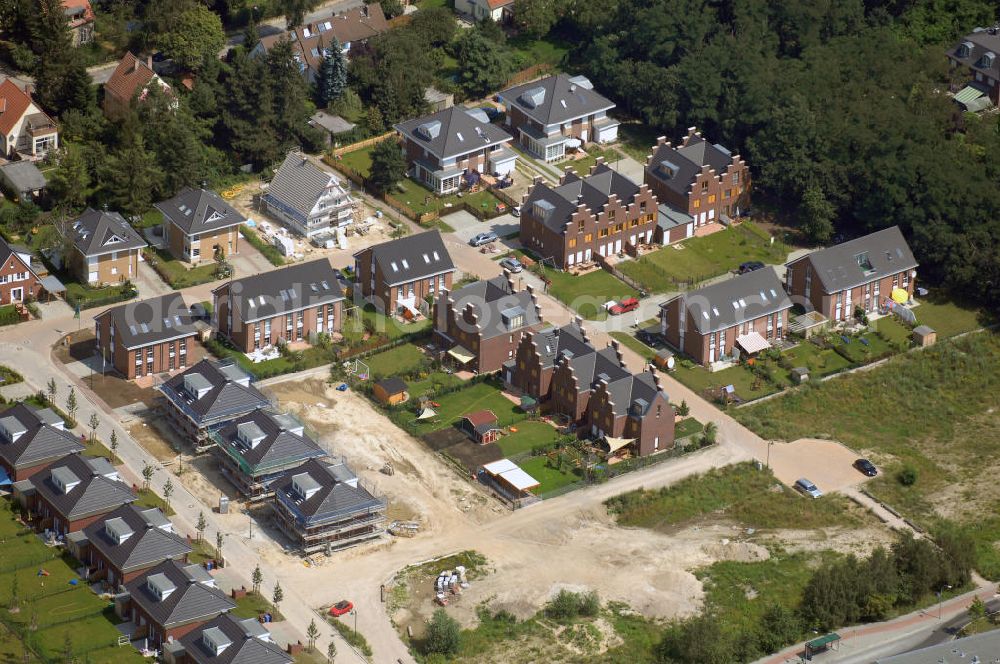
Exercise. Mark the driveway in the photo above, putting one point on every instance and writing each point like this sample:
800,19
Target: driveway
629,167
466,226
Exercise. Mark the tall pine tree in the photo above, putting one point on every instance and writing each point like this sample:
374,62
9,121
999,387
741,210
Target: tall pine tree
332,79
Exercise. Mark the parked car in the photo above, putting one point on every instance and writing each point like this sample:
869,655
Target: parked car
808,488
511,264
515,211
483,238
866,467
340,608
623,307
650,337
750,266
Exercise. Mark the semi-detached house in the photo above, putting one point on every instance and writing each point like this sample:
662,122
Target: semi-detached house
127,542
105,248
400,273
307,198
559,112
746,314
444,148
226,640
289,305
31,439
18,280
198,226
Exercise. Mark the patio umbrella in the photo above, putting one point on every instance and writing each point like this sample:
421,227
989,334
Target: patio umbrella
900,295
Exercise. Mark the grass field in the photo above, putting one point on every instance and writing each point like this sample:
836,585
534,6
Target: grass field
528,435
687,427
254,605
402,359
739,493
706,382
702,258
390,327
587,294
933,411
548,477
947,318
582,166
179,274
481,396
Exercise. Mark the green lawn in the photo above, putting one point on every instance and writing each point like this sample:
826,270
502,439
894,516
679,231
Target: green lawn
894,330
148,498
687,427
701,258
434,382
381,324
740,493
9,315
201,551
481,396
820,361
946,318
179,274
582,166
703,381
587,294
628,339
637,140
548,477
150,218
539,51
87,297
403,359
253,605
528,435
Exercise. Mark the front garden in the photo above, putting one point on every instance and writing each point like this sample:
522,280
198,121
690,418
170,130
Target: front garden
178,274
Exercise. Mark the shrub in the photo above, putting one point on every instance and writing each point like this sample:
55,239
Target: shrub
443,634
907,476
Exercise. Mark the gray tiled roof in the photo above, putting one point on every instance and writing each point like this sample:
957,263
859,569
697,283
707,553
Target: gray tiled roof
95,493
733,301
299,183
685,162
148,544
23,176
841,266
335,495
284,442
247,644
981,43
289,289
199,211
40,442
553,343
634,389
227,397
490,300
412,257
556,205
452,132
151,321
190,601
556,99
97,232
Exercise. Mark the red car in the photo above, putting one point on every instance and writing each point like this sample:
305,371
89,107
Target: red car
341,607
625,306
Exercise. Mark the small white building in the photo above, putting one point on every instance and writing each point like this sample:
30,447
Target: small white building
307,198
501,11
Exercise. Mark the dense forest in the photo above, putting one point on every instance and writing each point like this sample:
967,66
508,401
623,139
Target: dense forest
838,105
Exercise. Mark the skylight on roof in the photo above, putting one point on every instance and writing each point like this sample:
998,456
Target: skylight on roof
743,302
131,328
705,314
715,311
325,285
406,265
459,135
436,257
736,305
773,294
395,268
427,259
314,288
144,327
260,299
166,322
763,297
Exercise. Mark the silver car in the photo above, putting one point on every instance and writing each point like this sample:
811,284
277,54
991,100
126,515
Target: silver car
512,264
483,238
808,488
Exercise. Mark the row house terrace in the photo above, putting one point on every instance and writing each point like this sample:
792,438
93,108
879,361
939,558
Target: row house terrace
30,440
401,273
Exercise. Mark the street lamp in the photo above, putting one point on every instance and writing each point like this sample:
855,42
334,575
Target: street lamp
354,612
940,600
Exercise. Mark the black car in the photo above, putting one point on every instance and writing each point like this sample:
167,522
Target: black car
866,467
750,266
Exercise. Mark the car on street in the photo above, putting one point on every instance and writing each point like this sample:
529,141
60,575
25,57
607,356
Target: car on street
623,307
512,264
483,238
341,608
808,488
866,467
750,266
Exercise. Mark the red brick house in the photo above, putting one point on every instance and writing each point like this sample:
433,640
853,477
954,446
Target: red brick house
593,388
18,281
451,148
558,112
127,542
400,273
31,439
586,219
148,337
979,54
173,599
226,640
480,325
288,305
861,273
73,493
701,179
742,315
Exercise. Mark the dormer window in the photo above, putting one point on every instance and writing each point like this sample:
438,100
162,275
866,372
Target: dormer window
965,49
160,586
986,62
864,262
64,480
197,385
249,434
305,486
215,640
117,530
11,429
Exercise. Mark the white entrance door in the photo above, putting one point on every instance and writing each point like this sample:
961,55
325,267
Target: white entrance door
618,246
16,294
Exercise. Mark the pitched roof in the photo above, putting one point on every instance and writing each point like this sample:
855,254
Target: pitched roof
248,643
632,394
130,76
23,176
733,301
228,392
144,538
97,232
498,307
554,343
13,103
266,440
299,183
78,12
291,288
452,132
77,486
392,385
678,166
482,420
555,206
191,597
336,491
151,321
30,436
862,260
199,211
556,99
410,258
980,44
